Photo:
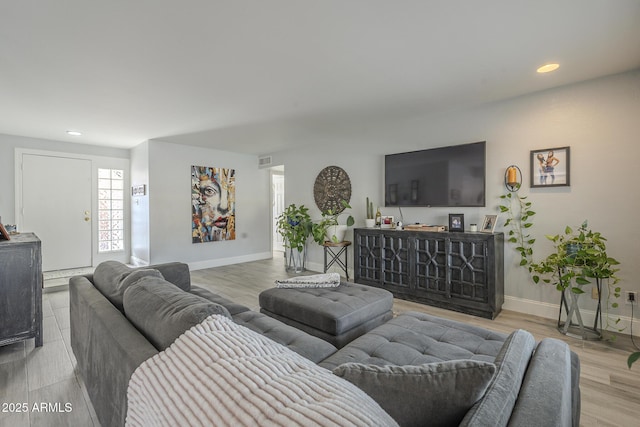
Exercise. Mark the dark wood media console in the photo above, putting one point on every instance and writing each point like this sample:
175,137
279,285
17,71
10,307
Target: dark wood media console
453,270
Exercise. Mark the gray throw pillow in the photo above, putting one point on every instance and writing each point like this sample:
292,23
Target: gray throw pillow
132,279
511,365
163,312
434,394
106,278
112,278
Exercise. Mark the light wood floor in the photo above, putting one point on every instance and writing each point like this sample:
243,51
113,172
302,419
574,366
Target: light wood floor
44,375
610,391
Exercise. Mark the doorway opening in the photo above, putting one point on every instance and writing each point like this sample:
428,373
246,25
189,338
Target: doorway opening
277,203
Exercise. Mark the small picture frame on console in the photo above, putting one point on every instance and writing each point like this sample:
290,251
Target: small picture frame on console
489,223
456,222
387,222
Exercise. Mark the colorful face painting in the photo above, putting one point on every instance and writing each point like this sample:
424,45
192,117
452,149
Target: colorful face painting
213,204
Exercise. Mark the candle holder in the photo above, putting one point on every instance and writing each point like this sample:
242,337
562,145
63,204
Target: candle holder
513,178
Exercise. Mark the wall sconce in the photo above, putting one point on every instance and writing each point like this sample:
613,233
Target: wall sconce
513,178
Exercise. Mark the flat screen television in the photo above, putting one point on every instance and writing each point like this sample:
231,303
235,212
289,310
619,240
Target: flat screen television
436,177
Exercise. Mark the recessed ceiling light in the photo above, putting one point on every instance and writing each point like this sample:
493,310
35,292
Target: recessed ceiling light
547,68
74,133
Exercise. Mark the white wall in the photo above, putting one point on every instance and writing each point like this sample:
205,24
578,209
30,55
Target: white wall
160,221
598,119
170,207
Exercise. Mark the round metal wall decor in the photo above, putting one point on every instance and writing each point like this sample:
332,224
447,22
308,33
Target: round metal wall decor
332,186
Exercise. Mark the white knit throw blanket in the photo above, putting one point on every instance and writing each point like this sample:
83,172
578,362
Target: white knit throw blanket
222,374
326,280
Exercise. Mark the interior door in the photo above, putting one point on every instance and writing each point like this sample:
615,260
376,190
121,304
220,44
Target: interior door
277,189
56,205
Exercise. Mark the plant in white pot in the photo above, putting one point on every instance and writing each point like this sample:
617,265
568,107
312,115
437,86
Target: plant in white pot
370,222
294,225
328,228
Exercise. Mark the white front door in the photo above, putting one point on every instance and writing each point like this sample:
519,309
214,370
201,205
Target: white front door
56,205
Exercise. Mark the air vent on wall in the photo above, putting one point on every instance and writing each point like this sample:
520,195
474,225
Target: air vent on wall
264,161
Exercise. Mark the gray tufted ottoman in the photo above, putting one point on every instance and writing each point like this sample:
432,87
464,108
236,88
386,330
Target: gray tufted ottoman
337,315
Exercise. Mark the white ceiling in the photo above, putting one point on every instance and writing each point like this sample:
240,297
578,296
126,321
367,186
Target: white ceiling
197,71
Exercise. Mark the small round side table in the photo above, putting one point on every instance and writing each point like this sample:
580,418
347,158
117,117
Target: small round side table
332,253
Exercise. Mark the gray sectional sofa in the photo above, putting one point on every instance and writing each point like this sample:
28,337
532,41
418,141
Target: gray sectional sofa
421,369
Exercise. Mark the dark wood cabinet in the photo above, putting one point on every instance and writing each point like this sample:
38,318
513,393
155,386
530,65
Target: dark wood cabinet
20,289
458,271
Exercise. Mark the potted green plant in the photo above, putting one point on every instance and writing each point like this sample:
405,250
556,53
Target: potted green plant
294,225
370,222
580,256
328,228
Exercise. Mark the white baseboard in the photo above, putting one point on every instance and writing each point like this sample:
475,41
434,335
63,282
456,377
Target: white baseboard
316,266
550,311
536,308
199,265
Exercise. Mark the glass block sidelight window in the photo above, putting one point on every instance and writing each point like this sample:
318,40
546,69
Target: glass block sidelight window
110,210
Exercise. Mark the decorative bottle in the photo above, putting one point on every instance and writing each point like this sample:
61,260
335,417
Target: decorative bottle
378,217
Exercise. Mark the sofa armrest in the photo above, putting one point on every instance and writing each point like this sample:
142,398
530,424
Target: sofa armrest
548,392
107,349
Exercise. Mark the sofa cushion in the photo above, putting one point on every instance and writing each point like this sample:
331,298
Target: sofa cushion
132,279
414,338
233,307
111,278
313,348
162,311
511,365
437,394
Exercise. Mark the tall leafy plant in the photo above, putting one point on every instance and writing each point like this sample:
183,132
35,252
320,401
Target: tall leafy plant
580,256
294,225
